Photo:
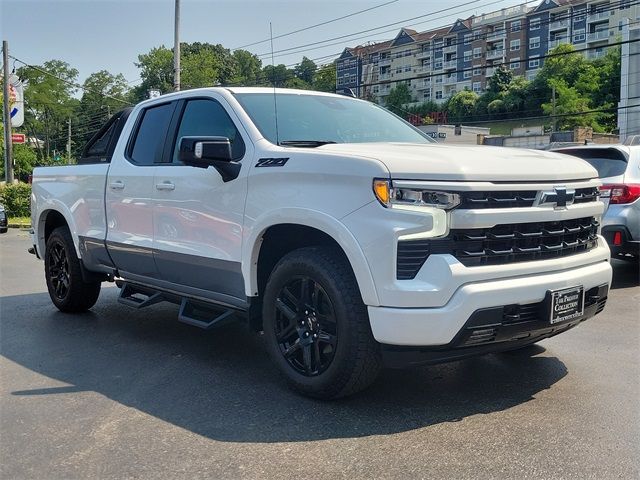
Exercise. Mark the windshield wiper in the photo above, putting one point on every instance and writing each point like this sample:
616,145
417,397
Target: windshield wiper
305,143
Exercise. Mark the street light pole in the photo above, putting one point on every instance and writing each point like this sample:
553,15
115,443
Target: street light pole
176,48
6,114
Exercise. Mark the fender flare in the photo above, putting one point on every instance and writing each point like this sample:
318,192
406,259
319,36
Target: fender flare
314,219
55,205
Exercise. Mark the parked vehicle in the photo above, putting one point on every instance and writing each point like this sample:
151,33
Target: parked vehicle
618,167
338,229
4,222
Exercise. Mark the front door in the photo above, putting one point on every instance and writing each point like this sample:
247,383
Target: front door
129,194
197,216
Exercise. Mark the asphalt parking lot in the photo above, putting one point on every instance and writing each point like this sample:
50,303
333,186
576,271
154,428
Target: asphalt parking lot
120,393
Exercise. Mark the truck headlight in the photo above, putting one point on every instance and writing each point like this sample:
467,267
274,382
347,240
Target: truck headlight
397,197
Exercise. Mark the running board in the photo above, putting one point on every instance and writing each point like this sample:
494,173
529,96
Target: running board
203,316
138,297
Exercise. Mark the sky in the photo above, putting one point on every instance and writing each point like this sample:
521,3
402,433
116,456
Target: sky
92,35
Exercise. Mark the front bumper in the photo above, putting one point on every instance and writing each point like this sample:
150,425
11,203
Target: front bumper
441,326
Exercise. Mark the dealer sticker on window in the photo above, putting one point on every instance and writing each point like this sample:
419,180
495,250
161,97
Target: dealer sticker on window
567,304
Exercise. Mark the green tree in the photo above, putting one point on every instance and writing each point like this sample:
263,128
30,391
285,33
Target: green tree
103,95
49,103
277,76
461,106
500,80
569,100
248,68
398,97
305,70
324,79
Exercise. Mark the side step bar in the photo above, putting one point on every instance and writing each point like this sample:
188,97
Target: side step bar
192,312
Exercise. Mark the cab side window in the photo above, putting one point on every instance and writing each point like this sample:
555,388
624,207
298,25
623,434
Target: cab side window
207,118
151,132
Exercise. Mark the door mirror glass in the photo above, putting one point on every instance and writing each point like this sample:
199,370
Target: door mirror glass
204,151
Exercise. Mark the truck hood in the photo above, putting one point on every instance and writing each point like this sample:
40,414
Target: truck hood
468,163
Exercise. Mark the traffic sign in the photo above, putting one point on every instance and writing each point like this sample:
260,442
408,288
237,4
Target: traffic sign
18,138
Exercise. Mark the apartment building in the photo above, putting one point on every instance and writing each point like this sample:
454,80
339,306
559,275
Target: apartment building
436,64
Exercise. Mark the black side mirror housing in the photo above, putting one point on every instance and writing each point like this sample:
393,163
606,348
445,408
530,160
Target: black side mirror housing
204,152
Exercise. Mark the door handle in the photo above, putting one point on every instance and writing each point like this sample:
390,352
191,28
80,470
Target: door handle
165,186
117,185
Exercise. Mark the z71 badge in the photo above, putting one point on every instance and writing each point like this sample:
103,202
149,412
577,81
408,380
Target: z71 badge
271,162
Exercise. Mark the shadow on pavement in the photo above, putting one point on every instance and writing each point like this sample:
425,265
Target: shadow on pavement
625,274
221,385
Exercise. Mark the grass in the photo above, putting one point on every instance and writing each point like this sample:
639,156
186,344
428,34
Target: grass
19,222
504,127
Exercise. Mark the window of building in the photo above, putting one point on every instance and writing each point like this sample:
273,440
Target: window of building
439,79
438,65
579,36
534,42
534,62
534,24
516,25
427,93
514,45
407,68
477,52
438,94
398,69
477,87
515,63
477,34
477,71
467,55
352,79
466,74
468,38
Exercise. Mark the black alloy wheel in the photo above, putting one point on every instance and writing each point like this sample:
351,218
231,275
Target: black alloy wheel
58,270
306,328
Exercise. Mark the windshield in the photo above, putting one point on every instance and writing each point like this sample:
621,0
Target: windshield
313,120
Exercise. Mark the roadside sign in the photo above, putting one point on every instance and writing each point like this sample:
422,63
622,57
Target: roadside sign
16,98
18,138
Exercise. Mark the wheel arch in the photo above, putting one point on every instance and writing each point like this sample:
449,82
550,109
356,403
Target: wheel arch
308,228
51,218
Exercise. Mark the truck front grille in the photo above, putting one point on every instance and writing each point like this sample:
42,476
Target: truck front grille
516,199
521,242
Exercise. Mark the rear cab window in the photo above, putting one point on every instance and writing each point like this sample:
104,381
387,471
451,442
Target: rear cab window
147,142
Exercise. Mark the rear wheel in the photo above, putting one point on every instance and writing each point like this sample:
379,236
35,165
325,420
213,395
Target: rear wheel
63,272
316,325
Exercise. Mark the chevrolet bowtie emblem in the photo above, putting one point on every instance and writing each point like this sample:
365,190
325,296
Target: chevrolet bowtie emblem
560,197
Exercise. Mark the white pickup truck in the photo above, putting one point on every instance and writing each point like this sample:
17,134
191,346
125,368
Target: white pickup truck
336,228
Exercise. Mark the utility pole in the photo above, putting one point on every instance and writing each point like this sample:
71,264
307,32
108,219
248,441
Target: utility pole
69,142
554,121
6,115
176,48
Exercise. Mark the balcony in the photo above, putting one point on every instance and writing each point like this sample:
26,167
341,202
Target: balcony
593,54
450,49
598,17
385,76
450,64
422,70
494,54
559,24
450,80
384,61
424,85
491,37
598,36
556,42
437,66
490,72
424,54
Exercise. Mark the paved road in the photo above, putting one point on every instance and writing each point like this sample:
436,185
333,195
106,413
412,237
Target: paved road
121,393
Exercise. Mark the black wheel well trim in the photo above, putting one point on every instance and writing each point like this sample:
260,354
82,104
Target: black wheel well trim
277,241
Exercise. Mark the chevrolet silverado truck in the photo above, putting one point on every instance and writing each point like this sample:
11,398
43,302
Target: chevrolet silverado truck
341,232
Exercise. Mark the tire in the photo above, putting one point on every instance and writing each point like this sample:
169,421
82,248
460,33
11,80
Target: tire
63,273
319,336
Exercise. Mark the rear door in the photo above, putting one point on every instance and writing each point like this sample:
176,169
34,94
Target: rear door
197,216
129,193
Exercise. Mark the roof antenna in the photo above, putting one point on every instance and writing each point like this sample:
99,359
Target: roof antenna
273,80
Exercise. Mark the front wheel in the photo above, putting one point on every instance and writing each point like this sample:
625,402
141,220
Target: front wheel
316,326
63,272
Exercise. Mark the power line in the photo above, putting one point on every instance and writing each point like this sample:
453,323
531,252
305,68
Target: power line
316,25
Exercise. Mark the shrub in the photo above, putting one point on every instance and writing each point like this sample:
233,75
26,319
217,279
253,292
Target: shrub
16,199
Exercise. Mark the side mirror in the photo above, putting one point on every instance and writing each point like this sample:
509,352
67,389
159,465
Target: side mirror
204,152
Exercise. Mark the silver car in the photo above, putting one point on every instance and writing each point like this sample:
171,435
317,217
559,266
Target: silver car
618,167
